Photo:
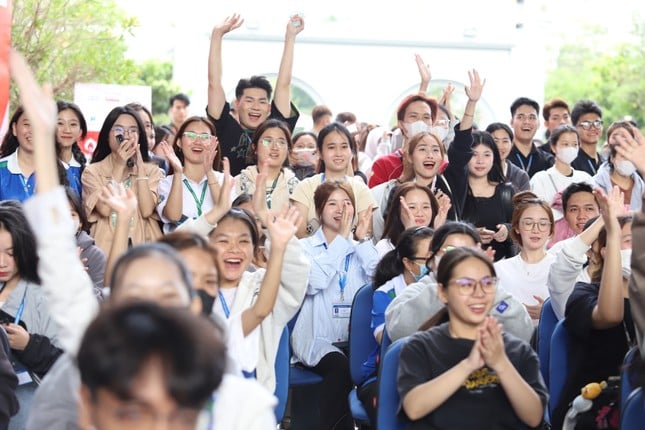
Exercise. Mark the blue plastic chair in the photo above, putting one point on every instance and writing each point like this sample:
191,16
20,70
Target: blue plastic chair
626,386
282,367
361,345
632,416
545,328
388,394
558,364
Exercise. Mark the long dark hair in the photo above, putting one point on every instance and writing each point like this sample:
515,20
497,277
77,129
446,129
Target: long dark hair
76,150
267,125
391,264
393,226
329,128
13,220
495,174
103,145
10,141
217,162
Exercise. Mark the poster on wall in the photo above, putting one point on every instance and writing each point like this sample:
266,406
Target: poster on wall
97,100
5,44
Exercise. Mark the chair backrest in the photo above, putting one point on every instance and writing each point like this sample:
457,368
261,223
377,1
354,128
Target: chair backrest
388,395
626,386
545,328
361,339
558,364
282,366
632,416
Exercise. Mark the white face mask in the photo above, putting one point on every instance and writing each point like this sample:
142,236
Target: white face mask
416,127
442,132
625,167
626,262
567,155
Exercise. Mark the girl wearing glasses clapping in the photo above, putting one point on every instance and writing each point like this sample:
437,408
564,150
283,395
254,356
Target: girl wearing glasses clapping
270,144
525,275
466,362
121,157
194,183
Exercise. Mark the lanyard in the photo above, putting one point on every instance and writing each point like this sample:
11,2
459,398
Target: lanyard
199,202
592,167
25,187
21,308
269,192
528,166
322,178
222,301
342,278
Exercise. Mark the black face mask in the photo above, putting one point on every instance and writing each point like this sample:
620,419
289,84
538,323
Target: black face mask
207,302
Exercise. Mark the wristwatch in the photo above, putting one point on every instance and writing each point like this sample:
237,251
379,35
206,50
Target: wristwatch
365,239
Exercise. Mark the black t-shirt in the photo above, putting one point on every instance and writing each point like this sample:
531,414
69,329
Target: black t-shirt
594,354
235,142
536,161
481,401
585,163
488,212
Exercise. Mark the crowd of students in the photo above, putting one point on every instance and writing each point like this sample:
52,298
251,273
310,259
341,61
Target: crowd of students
197,249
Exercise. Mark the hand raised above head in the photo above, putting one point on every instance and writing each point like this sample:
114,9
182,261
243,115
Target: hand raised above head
424,69
230,23
474,90
295,25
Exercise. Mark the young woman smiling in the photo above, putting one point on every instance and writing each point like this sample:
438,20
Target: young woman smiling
194,185
334,146
525,276
271,144
70,127
466,362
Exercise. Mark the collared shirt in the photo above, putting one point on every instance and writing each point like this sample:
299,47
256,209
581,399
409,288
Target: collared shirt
13,184
587,164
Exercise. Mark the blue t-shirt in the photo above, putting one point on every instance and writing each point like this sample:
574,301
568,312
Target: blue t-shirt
13,184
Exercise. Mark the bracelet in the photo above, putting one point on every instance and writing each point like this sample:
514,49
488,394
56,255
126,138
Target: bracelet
365,239
468,114
142,178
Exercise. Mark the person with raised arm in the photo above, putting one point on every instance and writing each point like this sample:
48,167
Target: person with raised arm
252,103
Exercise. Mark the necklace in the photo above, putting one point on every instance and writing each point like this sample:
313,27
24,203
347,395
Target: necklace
529,267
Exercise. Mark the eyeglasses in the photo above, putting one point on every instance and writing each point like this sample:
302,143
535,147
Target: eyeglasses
586,125
123,131
144,417
418,258
280,143
527,224
466,286
191,135
442,123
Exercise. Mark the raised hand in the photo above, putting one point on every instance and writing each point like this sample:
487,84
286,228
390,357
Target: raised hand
210,154
474,90
121,200
407,217
173,160
224,203
346,220
611,205
295,25
446,94
444,207
259,196
424,70
364,218
492,344
283,226
230,23
632,148
37,101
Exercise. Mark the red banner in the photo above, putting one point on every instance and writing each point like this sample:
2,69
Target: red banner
5,43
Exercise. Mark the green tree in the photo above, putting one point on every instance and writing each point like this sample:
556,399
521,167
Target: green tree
612,76
158,75
69,41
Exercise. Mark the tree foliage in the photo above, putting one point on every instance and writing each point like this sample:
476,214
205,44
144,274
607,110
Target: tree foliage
158,75
612,76
69,41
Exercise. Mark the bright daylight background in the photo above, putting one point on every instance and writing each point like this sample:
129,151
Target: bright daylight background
359,55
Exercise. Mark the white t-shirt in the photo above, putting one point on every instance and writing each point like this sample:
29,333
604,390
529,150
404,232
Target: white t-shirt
524,280
547,183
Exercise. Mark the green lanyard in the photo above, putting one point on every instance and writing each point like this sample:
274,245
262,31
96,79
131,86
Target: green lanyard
199,202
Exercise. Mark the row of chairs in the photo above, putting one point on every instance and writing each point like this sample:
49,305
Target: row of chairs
553,352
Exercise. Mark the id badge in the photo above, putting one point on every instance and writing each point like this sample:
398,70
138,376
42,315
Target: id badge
341,310
24,377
